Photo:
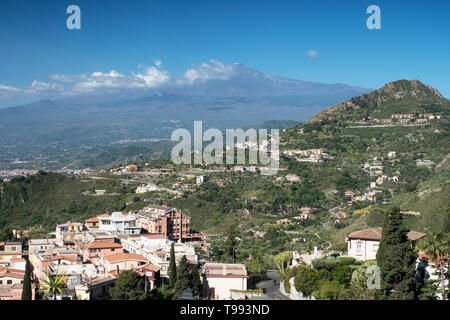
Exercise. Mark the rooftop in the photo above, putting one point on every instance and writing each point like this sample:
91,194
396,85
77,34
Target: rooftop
103,245
375,234
224,270
125,256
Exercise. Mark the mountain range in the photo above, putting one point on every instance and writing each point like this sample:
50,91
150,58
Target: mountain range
58,129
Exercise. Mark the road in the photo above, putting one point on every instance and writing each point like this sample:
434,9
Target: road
272,286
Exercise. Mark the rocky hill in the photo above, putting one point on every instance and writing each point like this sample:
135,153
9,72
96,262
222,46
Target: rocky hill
398,96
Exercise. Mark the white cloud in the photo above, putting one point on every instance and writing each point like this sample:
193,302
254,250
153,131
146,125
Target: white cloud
207,71
7,91
313,54
153,76
63,85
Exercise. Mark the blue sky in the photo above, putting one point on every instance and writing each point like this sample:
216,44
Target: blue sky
270,36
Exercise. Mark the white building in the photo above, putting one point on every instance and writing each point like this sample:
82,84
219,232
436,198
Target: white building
119,223
146,188
363,245
199,180
220,278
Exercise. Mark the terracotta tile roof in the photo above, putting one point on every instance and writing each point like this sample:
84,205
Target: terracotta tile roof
222,270
103,245
367,234
147,267
91,220
18,260
153,236
8,269
104,216
125,256
160,252
375,234
64,257
415,235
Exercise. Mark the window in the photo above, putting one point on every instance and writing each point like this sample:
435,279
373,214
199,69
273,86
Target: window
1,281
358,248
375,247
8,281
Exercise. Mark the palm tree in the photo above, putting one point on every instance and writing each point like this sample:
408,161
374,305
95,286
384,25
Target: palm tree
437,246
54,283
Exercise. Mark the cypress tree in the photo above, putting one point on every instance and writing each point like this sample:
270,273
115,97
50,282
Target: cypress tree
26,286
183,277
231,243
172,267
196,283
396,259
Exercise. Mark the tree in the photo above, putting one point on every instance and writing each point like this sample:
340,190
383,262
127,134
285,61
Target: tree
53,283
172,267
436,246
396,259
26,286
128,286
446,225
306,280
282,260
196,283
358,284
231,242
6,234
183,277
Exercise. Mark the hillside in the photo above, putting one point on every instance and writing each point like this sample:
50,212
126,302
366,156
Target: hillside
47,198
403,164
402,96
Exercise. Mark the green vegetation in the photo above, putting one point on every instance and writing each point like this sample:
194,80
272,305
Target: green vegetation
437,247
53,284
195,281
26,285
128,286
183,277
396,259
172,267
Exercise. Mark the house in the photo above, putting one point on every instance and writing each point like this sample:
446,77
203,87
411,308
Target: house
283,221
293,178
402,116
95,289
11,250
421,120
131,168
11,281
92,223
146,188
18,263
98,249
363,245
303,216
199,180
220,278
41,245
239,169
151,274
123,261
119,223
391,154
349,193
404,120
